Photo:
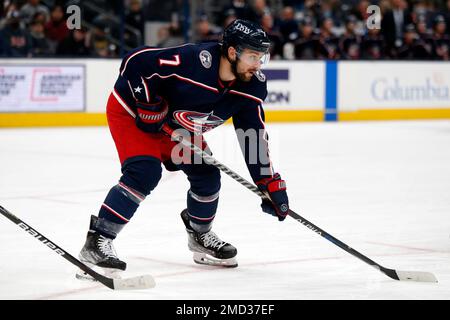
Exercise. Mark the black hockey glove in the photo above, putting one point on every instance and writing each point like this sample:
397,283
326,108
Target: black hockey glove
275,187
151,116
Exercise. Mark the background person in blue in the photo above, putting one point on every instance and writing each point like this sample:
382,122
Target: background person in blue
195,87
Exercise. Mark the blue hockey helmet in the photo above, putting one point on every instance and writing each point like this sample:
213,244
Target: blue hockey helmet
244,34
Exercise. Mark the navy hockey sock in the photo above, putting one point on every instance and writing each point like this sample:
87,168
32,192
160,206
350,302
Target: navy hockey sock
202,209
140,176
203,196
119,206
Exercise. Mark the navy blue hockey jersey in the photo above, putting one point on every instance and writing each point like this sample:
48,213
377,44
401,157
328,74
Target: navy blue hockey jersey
188,78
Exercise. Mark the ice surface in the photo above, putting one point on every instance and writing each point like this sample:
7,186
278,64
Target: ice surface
381,187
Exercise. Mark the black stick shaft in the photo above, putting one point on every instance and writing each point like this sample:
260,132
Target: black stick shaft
58,250
212,161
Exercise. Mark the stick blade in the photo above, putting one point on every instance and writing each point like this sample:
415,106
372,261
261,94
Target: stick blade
418,276
135,283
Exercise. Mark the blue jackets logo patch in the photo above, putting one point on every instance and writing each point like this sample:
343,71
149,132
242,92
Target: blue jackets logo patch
197,122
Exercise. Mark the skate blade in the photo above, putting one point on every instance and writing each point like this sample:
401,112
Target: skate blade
206,259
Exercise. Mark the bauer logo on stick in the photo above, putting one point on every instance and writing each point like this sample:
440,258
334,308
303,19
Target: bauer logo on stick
41,238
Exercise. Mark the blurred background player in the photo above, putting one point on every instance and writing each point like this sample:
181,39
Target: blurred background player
413,46
306,46
441,40
393,24
350,41
194,88
373,46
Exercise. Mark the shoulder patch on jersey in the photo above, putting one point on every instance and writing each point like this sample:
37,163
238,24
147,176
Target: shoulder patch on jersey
260,76
205,58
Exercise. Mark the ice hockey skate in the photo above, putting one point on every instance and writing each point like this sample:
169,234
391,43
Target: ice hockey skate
208,248
99,254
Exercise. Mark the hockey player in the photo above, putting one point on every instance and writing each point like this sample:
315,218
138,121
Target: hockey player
196,87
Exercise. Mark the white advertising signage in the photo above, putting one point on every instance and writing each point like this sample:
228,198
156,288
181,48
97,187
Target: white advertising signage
393,85
35,88
295,85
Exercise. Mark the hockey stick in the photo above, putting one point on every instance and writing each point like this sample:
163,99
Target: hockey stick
394,274
140,282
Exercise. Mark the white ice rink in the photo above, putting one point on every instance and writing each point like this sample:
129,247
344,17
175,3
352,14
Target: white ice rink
381,187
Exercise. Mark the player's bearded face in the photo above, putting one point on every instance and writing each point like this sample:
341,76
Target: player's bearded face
246,64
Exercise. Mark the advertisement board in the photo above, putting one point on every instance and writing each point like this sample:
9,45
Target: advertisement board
295,85
42,88
393,85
